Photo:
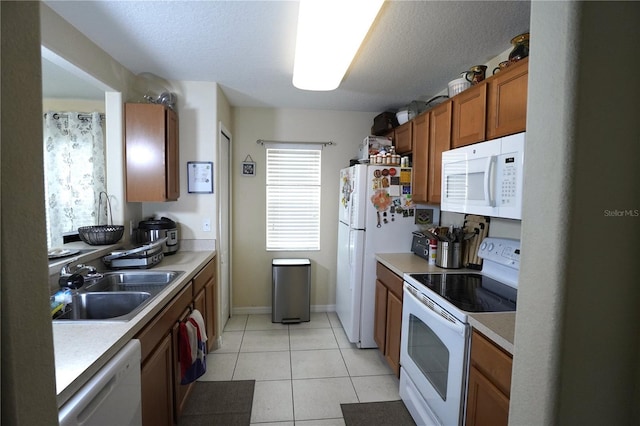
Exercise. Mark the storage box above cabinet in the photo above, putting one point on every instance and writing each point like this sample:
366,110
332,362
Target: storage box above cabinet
152,153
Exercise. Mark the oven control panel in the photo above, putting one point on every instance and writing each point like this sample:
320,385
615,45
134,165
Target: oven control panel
504,251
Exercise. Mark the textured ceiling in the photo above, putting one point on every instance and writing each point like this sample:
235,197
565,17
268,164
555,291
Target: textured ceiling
413,50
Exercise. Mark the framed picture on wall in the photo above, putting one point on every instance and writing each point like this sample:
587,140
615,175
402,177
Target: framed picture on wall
248,167
200,177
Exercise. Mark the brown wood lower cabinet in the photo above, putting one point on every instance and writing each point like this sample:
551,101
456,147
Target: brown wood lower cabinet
204,286
163,396
181,392
489,383
157,385
388,315
159,354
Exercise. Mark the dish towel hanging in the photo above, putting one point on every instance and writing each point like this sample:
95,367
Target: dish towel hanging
192,344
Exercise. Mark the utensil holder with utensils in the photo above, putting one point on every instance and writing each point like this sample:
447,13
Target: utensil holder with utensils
448,254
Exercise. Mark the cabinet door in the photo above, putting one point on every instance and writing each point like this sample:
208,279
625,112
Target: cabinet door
206,280
469,116
439,141
507,101
151,150
380,318
394,327
211,311
157,386
403,138
181,391
172,157
420,158
486,405
145,152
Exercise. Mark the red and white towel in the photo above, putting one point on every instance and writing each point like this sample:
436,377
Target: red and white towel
192,347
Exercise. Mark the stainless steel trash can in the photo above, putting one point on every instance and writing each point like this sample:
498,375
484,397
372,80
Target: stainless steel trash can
291,290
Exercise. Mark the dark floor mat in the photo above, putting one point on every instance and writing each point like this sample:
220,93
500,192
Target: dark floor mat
219,403
391,413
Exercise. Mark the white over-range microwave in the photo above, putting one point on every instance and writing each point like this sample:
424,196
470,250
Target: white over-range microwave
485,178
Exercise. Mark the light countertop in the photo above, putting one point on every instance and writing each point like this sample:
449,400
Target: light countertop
81,348
499,326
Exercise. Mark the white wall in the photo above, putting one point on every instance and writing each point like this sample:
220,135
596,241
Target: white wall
198,127
28,380
251,262
577,341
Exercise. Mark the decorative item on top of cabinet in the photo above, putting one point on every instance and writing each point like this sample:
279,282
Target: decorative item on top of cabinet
439,141
469,116
388,315
151,134
507,100
420,175
402,139
489,383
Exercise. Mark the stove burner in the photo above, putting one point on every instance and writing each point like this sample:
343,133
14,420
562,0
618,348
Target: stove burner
471,292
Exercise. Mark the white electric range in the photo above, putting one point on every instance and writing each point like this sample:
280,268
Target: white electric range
436,335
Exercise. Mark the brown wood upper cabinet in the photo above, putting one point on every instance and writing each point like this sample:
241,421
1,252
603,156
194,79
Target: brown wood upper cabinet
494,108
420,176
507,100
403,138
469,116
152,153
439,141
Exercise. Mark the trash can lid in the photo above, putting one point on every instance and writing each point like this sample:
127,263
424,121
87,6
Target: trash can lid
291,262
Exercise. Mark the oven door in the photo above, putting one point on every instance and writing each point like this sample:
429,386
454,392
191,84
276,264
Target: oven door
434,358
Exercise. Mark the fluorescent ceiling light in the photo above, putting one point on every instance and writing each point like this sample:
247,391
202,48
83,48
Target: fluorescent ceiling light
330,33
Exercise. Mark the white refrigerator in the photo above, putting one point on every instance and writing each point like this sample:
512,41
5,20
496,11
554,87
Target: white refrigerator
376,215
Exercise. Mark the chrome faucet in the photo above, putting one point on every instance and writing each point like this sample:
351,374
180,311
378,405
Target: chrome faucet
88,272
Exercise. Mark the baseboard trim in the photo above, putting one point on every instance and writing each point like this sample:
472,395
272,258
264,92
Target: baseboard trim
257,310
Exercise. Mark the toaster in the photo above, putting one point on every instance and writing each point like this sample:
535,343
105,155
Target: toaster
420,245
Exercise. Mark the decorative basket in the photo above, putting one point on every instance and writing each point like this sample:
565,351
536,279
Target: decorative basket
101,234
98,235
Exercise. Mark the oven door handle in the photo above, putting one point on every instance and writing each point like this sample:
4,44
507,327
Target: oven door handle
449,321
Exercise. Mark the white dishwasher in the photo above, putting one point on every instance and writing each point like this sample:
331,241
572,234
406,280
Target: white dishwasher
111,397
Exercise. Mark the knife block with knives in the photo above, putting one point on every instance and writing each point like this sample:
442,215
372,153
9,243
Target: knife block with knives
478,225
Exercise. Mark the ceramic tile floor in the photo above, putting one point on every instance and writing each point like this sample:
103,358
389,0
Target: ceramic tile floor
303,372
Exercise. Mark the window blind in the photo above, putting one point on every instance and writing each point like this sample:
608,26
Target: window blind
293,199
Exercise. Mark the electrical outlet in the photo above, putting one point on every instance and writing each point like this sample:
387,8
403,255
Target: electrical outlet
206,224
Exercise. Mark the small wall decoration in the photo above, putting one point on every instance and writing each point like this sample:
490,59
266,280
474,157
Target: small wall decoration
248,167
200,177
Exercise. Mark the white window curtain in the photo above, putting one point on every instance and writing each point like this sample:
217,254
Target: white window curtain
74,170
293,199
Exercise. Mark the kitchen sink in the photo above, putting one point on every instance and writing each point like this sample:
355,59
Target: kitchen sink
115,305
117,296
150,281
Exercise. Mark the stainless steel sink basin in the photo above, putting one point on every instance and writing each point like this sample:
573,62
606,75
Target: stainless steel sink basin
149,281
111,305
117,296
